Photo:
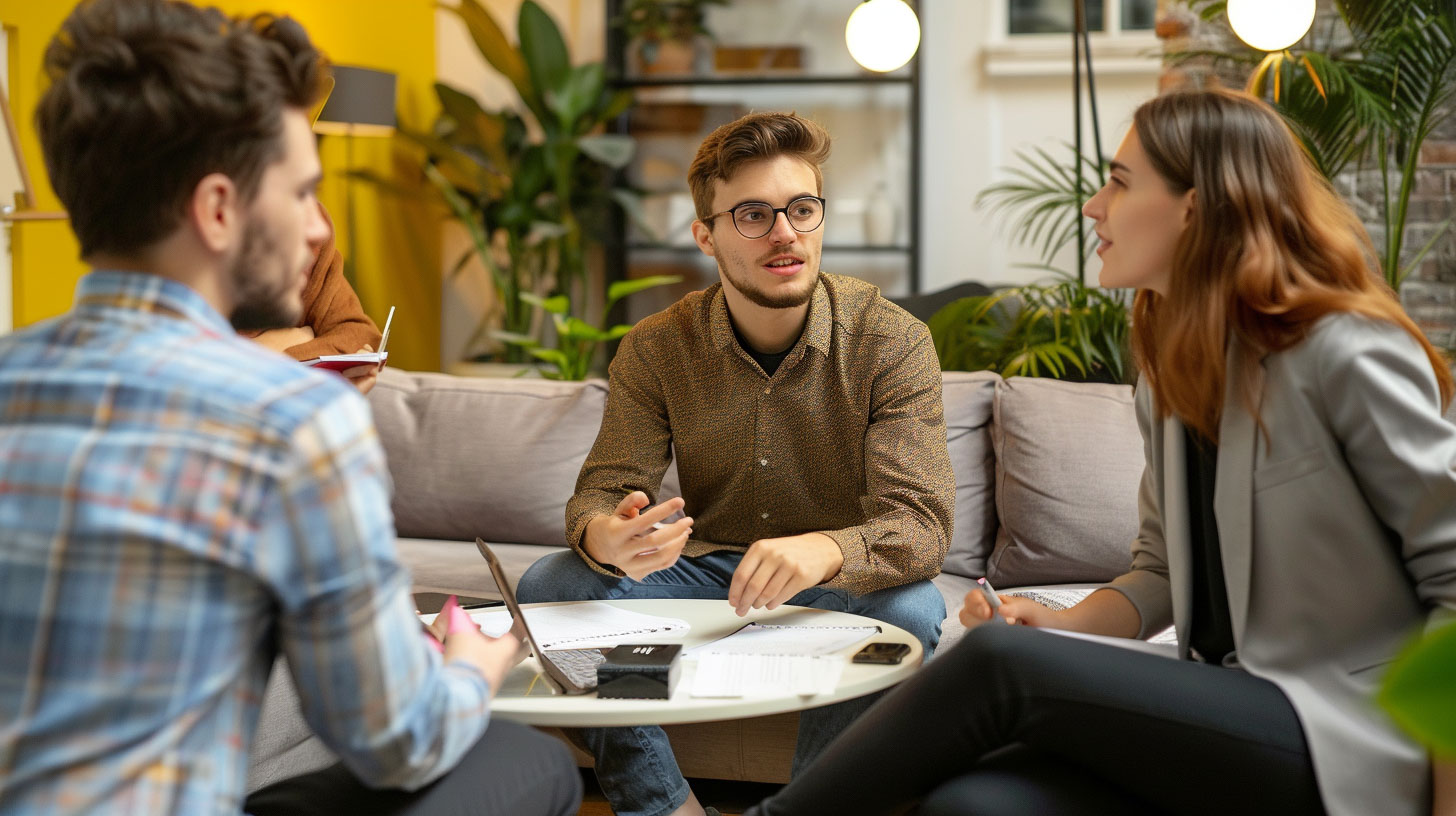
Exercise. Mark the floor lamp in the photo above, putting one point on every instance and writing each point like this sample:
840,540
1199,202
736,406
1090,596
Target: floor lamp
361,104
1082,51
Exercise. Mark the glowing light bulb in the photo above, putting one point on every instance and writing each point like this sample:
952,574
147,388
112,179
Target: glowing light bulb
1271,25
882,35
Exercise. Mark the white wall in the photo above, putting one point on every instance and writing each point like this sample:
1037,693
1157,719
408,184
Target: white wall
985,98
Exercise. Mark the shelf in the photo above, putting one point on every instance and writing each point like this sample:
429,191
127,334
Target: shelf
750,79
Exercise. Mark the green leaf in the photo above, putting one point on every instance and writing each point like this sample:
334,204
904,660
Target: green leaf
1418,690
491,41
553,356
612,149
547,60
579,93
575,329
515,339
557,305
624,288
631,204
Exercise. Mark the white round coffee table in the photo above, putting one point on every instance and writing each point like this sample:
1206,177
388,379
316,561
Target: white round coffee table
527,697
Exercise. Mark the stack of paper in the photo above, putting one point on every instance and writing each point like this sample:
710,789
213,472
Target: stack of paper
764,659
748,675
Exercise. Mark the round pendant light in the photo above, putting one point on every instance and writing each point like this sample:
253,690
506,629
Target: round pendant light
1271,25
882,35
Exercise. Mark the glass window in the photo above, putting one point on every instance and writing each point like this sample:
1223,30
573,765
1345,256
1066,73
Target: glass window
1139,15
1055,16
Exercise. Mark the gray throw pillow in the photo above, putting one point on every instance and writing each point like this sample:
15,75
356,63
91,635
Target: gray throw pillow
1069,459
968,397
495,458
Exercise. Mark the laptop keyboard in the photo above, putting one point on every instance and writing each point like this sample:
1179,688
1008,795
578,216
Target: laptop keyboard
578,664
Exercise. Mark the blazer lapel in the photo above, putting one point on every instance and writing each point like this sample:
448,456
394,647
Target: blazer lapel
1233,496
1175,527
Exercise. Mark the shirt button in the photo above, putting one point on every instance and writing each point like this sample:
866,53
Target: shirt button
768,390
763,515
763,462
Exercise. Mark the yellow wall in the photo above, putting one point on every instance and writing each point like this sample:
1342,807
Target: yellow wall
397,241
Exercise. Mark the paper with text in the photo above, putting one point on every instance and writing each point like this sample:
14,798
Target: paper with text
723,674
768,639
584,625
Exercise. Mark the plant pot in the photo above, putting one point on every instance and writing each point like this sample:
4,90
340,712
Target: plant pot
666,57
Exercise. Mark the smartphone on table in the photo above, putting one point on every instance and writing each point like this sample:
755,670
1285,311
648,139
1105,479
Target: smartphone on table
882,653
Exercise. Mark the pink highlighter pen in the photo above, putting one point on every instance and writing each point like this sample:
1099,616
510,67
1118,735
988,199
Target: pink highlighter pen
989,593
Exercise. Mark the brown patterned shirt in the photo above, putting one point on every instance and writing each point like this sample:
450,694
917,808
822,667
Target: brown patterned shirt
847,438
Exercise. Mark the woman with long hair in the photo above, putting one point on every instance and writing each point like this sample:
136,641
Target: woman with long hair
1298,526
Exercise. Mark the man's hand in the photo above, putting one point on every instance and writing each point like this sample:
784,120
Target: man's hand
1014,609
282,339
776,569
626,539
363,377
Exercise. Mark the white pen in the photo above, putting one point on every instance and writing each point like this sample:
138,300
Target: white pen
989,593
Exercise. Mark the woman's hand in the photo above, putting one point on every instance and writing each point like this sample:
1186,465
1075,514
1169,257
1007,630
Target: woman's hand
1014,609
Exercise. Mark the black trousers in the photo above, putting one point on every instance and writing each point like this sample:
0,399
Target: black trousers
1012,720
512,771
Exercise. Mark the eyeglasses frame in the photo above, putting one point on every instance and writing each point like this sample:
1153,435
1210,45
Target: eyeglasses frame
733,211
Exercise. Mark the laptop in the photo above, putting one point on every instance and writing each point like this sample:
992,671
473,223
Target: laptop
570,671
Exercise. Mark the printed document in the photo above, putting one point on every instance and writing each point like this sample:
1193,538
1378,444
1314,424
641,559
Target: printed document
588,625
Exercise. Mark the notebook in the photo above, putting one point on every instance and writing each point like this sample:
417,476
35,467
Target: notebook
343,362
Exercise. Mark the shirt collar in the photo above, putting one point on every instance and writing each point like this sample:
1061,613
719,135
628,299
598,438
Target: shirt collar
110,289
818,329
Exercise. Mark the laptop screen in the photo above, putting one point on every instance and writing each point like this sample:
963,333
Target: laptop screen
553,672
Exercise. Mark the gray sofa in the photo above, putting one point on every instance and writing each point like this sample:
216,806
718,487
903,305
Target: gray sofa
1046,495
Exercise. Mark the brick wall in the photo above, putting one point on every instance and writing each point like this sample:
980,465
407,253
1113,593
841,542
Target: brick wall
1429,292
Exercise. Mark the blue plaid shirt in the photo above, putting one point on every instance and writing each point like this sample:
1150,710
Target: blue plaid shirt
178,506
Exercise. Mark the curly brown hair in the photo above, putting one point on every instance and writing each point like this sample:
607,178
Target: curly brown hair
147,97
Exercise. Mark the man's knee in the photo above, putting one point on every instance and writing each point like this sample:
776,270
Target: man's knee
560,576
918,608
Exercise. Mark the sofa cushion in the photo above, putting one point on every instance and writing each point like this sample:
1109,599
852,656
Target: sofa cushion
968,398
1069,459
496,458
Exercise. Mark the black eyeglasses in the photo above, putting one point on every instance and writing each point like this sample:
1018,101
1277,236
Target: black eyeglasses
755,219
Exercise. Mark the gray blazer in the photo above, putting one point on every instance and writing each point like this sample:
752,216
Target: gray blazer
1338,537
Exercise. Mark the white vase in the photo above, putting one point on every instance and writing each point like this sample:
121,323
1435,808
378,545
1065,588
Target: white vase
881,215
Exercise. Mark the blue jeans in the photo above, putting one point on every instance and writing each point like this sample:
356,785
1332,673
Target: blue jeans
635,765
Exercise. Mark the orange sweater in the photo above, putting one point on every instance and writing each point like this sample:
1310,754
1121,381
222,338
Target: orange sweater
332,309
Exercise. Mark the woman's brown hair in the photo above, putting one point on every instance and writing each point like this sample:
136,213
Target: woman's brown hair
1270,249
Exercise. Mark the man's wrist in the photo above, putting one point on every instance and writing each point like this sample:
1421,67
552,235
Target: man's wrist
589,544
834,553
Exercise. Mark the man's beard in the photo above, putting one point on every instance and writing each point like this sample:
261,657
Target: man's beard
261,302
785,299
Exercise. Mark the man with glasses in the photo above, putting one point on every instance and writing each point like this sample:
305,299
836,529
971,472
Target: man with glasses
804,413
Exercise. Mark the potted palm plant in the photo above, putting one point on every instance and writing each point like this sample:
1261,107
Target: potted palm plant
531,184
1063,329
1365,90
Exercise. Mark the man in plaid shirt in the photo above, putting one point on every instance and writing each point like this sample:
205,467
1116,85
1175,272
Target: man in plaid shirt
179,505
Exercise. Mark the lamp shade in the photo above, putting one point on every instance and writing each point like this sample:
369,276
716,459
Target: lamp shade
1271,25
882,35
361,104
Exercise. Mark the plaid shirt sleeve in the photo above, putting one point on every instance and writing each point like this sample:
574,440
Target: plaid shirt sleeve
369,686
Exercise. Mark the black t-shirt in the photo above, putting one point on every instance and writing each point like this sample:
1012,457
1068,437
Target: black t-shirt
1210,631
768,362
